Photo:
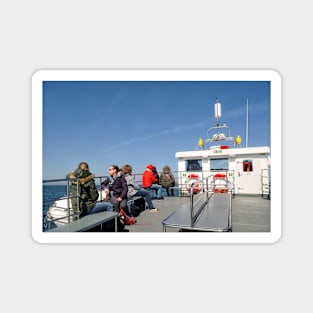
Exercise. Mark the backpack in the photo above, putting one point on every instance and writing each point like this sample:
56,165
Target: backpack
140,203
125,219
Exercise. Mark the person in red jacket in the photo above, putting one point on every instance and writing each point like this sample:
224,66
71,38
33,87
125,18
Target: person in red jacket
149,182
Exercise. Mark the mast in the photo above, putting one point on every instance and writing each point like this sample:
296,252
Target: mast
247,123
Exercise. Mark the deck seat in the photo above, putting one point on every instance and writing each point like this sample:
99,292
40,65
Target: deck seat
88,222
210,214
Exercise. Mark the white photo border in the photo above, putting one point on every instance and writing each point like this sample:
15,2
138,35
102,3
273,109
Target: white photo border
156,75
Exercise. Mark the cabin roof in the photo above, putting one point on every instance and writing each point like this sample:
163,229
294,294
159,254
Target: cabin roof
231,152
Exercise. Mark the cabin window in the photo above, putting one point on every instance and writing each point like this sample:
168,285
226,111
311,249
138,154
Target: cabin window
193,165
218,164
247,166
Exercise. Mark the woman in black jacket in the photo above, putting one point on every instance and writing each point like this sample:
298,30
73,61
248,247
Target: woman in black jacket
117,186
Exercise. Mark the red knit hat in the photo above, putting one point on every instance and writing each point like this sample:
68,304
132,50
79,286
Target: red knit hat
150,166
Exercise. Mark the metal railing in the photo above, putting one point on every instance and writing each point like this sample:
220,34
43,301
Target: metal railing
71,214
209,190
266,184
206,178
193,217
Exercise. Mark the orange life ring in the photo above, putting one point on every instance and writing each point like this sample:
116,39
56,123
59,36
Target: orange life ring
223,190
220,175
193,179
193,176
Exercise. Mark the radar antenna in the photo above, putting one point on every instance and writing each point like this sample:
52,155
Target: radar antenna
218,135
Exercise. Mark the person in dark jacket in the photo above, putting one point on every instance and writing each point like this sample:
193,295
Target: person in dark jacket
156,174
117,186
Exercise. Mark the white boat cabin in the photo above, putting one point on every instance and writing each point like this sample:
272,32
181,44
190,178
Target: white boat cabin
244,170
247,169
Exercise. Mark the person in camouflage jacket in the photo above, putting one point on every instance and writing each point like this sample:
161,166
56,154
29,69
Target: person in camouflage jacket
83,184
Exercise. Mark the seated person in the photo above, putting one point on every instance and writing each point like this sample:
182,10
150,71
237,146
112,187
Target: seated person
156,174
117,186
149,182
167,180
134,190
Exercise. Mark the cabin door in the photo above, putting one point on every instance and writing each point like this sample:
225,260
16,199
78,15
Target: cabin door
247,177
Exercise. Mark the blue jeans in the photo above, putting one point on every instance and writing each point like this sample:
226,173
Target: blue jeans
146,195
100,207
158,190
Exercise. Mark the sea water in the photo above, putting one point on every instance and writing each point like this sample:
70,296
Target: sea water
50,194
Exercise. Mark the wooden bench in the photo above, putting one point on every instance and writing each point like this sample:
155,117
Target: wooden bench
88,222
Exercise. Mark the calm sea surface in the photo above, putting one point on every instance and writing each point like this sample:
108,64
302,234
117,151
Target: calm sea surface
50,194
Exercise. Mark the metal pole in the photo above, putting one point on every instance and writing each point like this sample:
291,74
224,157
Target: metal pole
247,125
115,223
230,212
68,199
78,198
192,215
100,189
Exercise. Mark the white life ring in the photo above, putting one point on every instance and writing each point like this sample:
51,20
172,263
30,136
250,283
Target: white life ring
193,179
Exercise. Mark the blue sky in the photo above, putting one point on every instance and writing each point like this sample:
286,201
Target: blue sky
142,122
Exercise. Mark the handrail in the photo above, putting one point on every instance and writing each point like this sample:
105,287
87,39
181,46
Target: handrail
68,195
192,213
230,210
207,182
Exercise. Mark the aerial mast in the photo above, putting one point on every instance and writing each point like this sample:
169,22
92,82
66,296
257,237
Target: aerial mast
247,123
218,136
218,112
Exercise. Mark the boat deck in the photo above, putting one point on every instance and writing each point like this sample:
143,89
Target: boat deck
249,214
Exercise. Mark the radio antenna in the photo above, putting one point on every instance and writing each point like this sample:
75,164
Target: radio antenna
218,112
247,122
